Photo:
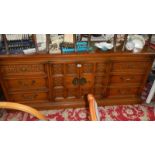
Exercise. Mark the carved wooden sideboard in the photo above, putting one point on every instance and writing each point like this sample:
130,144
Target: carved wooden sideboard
60,81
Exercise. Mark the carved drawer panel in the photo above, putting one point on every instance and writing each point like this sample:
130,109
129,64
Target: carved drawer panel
32,96
116,92
88,68
23,84
126,79
71,68
72,93
58,81
21,68
126,66
58,93
58,69
100,68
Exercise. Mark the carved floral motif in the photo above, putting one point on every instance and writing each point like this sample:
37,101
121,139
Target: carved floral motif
100,67
57,68
88,68
21,68
71,68
58,81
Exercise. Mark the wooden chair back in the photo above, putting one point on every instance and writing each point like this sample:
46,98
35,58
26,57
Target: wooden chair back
24,108
94,114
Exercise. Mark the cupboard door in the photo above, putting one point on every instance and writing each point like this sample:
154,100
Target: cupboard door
64,81
94,78
71,78
86,81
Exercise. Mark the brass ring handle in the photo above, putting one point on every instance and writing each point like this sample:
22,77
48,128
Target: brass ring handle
83,81
75,81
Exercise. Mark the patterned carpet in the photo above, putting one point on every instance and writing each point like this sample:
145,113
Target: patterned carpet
107,113
141,112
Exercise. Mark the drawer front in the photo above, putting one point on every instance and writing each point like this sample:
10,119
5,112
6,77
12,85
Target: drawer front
120,92
22,69
127,66
125,79
32,96
23,84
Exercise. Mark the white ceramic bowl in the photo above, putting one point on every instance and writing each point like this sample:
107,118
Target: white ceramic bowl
104,45
29,51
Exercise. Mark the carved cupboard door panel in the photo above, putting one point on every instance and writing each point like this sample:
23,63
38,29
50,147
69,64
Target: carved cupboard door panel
94,78
64,81
86,79
71,75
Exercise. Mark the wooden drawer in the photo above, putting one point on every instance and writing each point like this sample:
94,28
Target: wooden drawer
24,84
125,79
29,96
22,69
119,92
127,66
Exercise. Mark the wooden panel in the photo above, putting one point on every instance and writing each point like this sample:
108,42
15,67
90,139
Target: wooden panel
87,71
130,66
58,93
101,69
29,96
119,92
87,68
63,75
89,83
126,79
57,69
22,69
72,93
58,81
22,84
